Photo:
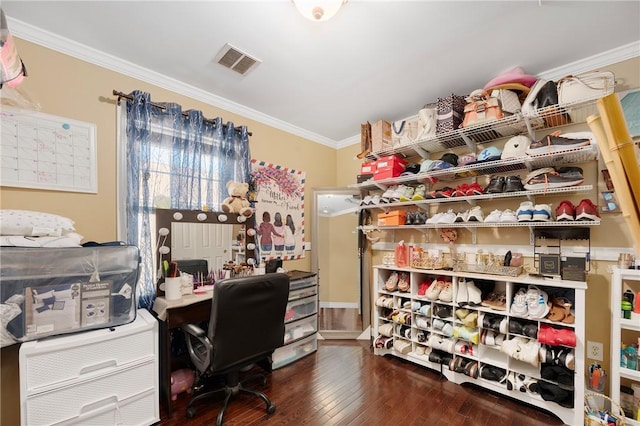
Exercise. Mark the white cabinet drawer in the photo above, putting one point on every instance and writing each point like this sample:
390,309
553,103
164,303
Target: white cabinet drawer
103,400
62,360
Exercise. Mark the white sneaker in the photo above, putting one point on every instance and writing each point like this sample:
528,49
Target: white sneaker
407,193
446,295
508,216
435,218
399,192
462,216
475,215
537,305
525,211
387,196
448,217
519,305
493,217
542,213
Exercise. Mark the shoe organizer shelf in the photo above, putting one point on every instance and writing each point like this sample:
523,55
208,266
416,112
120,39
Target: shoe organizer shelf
496,129
301,319
509,340
527,163
627,330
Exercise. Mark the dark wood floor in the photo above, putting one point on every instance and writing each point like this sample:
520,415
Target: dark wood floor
343,383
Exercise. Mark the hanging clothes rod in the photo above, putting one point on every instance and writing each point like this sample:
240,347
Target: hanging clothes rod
162,107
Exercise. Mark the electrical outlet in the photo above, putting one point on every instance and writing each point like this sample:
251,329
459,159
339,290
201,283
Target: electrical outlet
594,351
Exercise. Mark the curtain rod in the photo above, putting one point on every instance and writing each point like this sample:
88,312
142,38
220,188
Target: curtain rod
162,107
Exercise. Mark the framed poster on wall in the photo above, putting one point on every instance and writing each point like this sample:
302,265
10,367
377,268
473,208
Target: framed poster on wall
279,210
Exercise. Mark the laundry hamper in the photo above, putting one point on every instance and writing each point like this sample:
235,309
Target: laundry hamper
596,402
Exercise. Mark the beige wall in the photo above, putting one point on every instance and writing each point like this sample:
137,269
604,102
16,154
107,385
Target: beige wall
75,89
338,260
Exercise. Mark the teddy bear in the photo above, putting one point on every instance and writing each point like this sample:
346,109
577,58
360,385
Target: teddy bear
237,201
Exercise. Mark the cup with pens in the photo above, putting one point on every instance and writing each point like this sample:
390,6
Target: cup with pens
597,378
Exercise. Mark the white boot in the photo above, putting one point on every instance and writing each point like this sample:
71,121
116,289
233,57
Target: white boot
474,294
462,296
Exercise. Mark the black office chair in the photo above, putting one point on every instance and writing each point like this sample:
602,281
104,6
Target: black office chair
246,326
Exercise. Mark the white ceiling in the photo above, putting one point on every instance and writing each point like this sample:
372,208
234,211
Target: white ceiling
373,60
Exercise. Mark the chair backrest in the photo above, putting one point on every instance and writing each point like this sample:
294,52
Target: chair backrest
194,266
247,318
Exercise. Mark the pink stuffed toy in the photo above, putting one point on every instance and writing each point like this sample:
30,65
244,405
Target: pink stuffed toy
181,381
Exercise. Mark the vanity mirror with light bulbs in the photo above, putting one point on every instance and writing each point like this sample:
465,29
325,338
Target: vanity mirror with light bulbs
195,234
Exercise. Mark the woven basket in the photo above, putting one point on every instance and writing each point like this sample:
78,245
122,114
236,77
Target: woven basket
591,420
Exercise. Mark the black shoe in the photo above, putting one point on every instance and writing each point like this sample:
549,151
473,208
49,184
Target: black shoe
496,185
513,184
515,327
410,219
530,330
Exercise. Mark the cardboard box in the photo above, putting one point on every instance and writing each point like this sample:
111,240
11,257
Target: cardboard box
368,168
381,136
389,167
364,178
393,218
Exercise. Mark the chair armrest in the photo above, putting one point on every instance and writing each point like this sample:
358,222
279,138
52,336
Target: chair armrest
193,330
199,346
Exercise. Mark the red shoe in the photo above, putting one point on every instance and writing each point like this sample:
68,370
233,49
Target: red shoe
445,192
565,211
586,210
556,336
422,289
461,190
474,189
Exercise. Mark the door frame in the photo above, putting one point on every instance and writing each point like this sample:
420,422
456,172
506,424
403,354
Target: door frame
364,305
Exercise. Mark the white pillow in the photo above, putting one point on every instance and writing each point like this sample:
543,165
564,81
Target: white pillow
32,223
55,242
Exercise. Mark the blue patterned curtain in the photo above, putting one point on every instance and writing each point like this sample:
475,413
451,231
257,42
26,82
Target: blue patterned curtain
175,160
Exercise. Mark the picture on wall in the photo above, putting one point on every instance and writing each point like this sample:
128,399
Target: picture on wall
279,210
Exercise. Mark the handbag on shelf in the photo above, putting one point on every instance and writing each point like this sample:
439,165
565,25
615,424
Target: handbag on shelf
585,87
450,113
404,132
481,108
542,104
509,101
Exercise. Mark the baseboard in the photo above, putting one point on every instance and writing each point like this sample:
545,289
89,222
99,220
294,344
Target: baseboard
347,305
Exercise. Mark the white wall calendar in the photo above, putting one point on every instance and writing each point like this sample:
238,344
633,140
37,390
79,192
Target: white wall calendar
44,151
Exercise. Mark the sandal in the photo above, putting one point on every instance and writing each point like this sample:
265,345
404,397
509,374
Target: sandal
561,311
403,282
392,282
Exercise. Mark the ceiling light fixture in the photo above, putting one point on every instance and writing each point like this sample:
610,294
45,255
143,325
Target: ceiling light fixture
318,10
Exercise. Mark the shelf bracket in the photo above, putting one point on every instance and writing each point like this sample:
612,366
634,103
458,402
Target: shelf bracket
470,144
421,152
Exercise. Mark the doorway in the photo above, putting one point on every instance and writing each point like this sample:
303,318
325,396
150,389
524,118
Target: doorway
337,263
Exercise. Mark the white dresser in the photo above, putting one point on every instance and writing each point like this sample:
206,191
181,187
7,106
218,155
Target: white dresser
100,377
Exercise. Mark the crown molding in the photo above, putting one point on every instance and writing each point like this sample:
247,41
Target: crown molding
77,50
618,54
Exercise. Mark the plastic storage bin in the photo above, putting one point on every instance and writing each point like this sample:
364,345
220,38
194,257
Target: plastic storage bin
47,292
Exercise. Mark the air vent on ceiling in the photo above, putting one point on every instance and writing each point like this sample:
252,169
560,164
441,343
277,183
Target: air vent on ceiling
237,60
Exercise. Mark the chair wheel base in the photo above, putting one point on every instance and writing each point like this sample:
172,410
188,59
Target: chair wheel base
191,412
271,409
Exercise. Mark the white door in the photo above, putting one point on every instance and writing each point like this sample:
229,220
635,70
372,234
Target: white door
208,241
